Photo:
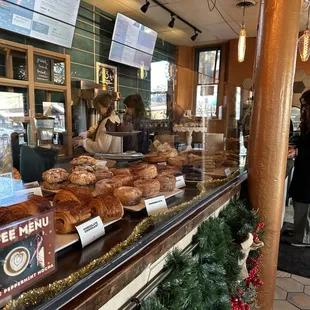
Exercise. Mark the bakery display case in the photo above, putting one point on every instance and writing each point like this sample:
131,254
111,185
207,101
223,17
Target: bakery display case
111,221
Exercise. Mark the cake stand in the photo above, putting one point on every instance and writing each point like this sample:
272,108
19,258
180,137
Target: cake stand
123,157
189,133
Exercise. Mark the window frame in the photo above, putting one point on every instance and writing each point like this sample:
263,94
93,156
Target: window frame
217,48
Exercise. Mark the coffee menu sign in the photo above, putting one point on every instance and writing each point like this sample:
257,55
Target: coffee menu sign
27,253
42,69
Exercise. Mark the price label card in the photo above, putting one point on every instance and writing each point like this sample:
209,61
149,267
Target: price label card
227,171
29,191
162,163
180,182
90,230
155,204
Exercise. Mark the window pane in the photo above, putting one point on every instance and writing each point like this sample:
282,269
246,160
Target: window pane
59,73
159,106
209,67
159,80
206,100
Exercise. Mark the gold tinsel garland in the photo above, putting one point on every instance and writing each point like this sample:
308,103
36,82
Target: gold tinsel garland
39,295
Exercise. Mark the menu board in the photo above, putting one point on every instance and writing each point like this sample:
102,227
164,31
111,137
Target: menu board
42,69
133,34
51,21
129,56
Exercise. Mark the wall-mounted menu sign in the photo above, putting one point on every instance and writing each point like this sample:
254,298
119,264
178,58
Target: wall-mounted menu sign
27,253
42,69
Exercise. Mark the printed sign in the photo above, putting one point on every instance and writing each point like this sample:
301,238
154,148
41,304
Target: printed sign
162,163
42,71
180,182
155,204
90,231
107,75
27,253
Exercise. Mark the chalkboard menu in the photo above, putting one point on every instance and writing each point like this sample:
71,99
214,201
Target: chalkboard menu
42,69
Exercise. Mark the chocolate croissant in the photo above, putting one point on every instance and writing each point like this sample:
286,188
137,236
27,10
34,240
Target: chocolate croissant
109,208
68,214
35,205
79,195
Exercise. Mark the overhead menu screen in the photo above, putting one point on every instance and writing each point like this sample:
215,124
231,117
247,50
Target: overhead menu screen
129,56
135,35
51,21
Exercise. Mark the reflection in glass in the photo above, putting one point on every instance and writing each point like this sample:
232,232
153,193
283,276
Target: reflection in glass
59,73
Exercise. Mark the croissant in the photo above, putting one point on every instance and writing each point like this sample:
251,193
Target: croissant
109,208
79,195
68,214
33,206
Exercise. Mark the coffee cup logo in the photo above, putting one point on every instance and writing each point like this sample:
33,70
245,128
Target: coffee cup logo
16,261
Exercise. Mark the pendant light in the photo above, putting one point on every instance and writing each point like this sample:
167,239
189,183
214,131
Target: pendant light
242,39
304,42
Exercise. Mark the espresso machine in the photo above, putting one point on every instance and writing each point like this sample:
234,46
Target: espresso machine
84,114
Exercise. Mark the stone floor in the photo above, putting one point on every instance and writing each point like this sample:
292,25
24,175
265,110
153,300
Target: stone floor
292,292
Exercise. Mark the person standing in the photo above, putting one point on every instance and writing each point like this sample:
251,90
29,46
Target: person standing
300,186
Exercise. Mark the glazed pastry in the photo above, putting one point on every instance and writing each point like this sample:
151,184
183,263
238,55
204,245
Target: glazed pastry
83,160
106,187
167,183
101,168
55,175
89,187
100,175
120,171
16,174
54,186
154,158
109,208
68,214
128,196
145,171
125,179
82,178
149,188
167,170
83,168
33,206
79,195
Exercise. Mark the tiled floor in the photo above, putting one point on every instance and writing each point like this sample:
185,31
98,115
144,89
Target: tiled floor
292,292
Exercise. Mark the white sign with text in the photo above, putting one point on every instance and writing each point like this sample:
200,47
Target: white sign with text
180,182
155,204
90,230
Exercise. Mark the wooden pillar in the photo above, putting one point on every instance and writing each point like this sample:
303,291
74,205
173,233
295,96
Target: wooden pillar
275,68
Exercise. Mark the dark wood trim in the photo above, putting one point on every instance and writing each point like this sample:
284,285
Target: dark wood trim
100,293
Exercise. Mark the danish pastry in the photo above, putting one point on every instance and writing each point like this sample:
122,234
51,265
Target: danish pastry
82,178
83,160
149,188
128,196
106,187
55,175
167,183
145,171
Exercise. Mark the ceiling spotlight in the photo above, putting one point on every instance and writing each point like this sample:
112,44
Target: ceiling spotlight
145,6
171,23
194,37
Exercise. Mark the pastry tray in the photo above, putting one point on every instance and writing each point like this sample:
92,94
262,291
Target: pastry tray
167,195
65,240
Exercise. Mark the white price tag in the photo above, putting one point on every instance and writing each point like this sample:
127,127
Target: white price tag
29,191
162,163
180,182
90,230
155,204
227,171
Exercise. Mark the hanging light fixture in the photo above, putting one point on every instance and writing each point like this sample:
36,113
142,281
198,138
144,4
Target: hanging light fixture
171,23
304,42
194,37
242,39
145,6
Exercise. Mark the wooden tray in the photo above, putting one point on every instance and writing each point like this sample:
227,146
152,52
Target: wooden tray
65,240
141,205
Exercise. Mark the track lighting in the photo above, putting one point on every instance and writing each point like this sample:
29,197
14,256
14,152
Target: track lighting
171,23
194,37
145,6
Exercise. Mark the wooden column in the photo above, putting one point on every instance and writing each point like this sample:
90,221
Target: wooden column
275,62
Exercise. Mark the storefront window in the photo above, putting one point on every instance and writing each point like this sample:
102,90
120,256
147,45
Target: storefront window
159,89
208,68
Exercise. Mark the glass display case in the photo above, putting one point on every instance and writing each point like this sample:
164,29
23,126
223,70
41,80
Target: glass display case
196,133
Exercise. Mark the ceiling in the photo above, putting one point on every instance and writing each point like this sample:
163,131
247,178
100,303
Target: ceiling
213,27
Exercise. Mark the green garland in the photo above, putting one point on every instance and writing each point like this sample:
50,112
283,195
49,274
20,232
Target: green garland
208,278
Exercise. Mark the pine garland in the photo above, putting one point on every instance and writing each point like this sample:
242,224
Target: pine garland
208,278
